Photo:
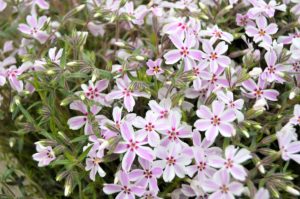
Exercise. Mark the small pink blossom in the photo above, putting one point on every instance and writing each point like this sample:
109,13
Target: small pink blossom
232,162
243,20
132,146
92,164
215,33
261,8
296,119
177,26
184,51
44,155
173,160
124,91
93,91
147,176
125,189
34,28
262,193
221,186
263,31
215,57
162,109
215,121
154,67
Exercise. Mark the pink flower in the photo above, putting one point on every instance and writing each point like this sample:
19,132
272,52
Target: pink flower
214,80
258,90
232,162
289,39
288,144
162,109
215,57
173,160
177,27
44,155
216,121
221,187
174,131
147,176
93,91
124,91
263,32
34,28
296,119
262,193
261,8
43,4
132,145
77,122
92,165
235,105
125,189
137,15
205,145
198,90
184,51
150,195
148,127
154,67
274,71
217,34
55,56
115,123
3,5
243,20
201,166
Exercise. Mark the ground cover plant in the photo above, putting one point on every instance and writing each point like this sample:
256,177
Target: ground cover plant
149,99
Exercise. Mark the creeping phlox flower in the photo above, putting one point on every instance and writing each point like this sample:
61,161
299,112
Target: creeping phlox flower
93,91
44,155
215,121
92,164
296,119
154,67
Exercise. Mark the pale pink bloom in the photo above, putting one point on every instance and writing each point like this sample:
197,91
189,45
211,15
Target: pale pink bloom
154,67
243,20
55,56
34,28
173,160
215,33
149,126
174,130
214,80
125,189
132,146
221,186
235,105
116,122
150,195
12,74
262,193
177,27
274,71
289,39
98,145
43,4
44,155
296,8
261,8
263,31
201,166
96,28
232,161
8,61
124,91
184,51
8,46
162,109
137,15
198,90
259,90
93,91
288,144
117,68
215,121
147,176
3,5
215,57
296,119
195,28
205,145
194,190
92,164
186,4
77,122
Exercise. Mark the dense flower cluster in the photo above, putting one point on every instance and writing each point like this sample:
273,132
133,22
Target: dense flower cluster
186,97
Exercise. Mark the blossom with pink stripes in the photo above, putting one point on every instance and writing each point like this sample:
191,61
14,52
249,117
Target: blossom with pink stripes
259,90
274,71
220,186
154,67
263,31
215,121
93,91
124,91
173,160
132,145
125,189
215,33
44,155
296,119
147,176
215,57
232,161
184,51
93,164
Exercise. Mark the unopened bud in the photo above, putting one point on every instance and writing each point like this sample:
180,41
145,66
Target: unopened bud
139,58
50,72
79,8
292,191
120,43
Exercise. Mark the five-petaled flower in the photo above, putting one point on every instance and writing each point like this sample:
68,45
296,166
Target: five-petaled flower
154,67
44,155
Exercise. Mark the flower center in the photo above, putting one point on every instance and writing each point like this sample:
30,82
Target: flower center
156,69
164,114
132,145
258,92
182,26
126,190
201,166
171,160
261,32
213,56
271,69
92,93
224,189
229,163
96,160
149,127
173,134
184,51
147,173
215,120
217,34
126,92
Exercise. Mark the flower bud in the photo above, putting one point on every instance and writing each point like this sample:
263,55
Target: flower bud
292,191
